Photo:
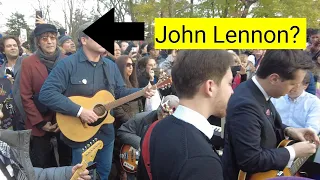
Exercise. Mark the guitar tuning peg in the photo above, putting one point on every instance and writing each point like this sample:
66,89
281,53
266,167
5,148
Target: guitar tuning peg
82,149
95,139
88,145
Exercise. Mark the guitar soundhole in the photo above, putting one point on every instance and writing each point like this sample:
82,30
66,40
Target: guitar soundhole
100,110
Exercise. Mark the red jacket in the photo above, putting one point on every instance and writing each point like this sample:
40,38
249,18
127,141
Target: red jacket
33,75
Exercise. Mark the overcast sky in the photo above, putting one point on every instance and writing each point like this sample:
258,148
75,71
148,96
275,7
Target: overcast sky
26,7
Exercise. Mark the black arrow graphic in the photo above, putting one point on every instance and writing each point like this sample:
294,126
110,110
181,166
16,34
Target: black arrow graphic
105,31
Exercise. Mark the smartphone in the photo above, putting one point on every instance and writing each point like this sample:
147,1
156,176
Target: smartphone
38,14
235,69
134,49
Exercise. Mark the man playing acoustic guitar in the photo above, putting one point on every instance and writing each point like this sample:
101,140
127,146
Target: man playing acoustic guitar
84,74
254,128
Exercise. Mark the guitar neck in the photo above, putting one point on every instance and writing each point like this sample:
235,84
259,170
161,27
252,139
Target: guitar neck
76,174
297,165
123,100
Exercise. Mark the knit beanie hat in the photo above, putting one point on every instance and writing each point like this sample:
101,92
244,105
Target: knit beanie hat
43,28
63,39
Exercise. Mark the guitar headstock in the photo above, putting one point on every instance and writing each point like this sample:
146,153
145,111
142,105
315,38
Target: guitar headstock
90,151
164,82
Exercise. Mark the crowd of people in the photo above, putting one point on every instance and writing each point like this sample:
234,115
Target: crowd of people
265,96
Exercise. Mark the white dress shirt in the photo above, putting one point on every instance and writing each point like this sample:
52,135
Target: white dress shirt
194,118
289,148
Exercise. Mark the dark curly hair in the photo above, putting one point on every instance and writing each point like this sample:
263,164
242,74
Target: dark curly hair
3,40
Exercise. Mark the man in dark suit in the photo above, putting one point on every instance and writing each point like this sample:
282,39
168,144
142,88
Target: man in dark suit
254,128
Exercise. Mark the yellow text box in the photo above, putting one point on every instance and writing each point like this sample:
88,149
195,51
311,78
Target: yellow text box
230,33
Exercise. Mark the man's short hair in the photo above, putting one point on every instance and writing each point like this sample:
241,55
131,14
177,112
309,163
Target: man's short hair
284,63
3,40
193,67
314,32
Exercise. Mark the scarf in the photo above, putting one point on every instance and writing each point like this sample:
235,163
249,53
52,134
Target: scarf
47,60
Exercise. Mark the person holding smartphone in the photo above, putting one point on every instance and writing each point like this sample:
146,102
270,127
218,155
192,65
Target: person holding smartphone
133,51
238,70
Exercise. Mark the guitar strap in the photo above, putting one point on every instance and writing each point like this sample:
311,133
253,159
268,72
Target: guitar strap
106,77
145,151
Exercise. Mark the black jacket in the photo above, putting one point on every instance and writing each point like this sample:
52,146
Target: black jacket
252,136
179,151
131,132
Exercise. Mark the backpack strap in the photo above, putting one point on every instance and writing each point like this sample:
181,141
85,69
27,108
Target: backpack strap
146,149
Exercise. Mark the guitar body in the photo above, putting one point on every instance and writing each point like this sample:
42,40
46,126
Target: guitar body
74,129
103,101
129,158
269,174
264,175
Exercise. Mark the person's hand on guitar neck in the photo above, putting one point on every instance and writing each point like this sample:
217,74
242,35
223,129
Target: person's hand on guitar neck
309,139
84,175
304,149
88,116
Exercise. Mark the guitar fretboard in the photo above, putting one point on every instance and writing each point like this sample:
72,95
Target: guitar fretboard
124,100
297,165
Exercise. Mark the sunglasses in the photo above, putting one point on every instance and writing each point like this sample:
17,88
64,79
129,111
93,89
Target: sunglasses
129,64
46,38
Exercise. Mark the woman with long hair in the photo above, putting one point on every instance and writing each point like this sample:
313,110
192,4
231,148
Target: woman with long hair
126,111
145,71
127,69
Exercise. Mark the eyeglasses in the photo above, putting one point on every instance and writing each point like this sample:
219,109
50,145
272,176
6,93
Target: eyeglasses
46,38
129,64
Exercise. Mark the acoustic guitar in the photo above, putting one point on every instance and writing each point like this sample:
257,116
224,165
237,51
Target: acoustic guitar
297,163
101,103
88,155
129,158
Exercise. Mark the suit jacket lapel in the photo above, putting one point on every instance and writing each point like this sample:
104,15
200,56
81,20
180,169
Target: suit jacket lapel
41,68
262,101
257,94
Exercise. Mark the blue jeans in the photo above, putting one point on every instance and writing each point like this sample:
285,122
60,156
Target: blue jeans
103,159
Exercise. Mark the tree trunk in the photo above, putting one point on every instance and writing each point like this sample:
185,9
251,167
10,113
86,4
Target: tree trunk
131,11
247,5
170,6
191,10
226,9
